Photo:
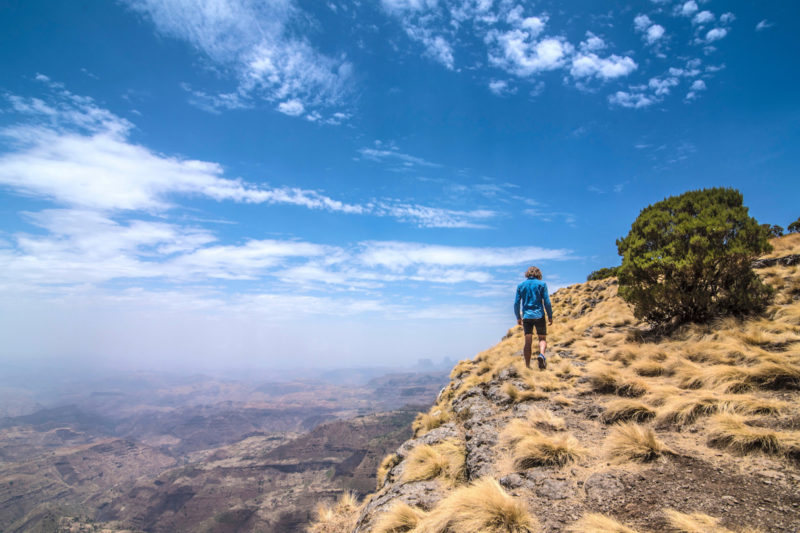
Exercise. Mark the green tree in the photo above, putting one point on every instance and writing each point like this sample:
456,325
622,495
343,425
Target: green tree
687,258
773,230
602,273
794,227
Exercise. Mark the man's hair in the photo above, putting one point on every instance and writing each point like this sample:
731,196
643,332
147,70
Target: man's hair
533,272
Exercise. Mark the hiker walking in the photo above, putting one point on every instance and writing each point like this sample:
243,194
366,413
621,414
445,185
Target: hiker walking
531,302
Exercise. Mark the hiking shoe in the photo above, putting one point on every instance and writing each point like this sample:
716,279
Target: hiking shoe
542,362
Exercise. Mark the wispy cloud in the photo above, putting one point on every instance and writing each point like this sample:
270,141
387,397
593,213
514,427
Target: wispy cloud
764,24
70,151
255,44
389,152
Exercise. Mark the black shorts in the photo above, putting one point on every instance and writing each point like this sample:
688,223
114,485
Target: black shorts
528,323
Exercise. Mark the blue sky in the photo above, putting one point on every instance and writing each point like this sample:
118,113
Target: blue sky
310,183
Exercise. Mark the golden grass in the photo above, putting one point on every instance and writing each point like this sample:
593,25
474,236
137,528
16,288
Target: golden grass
544,419
482,507
599,523
604,378
444,460
684,410
730,430
518,395
400,518
632,442
336,518
545,450
699,523
649,368
562,400
387,463
624,410
786,245
428,421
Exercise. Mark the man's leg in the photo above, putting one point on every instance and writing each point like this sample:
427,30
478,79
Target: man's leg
542,343
526,351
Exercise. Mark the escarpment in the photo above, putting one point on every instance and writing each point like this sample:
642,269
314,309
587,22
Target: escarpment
695,431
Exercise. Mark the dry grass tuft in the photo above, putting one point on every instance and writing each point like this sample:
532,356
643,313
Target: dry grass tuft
649,369
562,400
518,395
607,379
388,462
428,421
629,441
444,460
730,430
336,518
685,410
546,420
598,523
539,449
627,410
482,506
698,523
399,519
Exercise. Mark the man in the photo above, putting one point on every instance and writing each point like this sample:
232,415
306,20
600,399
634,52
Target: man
531,302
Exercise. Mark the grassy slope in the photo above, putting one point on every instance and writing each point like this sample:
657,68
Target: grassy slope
642,432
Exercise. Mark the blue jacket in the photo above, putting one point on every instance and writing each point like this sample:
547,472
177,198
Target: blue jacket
531,293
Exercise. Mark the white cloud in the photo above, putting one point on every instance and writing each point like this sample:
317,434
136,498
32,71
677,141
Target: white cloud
592,43
435,217
654,33
662,86
634,100
727,18
293,107
642,22
704,17
698,85
76,154
688,8
397,256
716,34
763,25
501,87
252,42
383,152
587,65
650,31
518,53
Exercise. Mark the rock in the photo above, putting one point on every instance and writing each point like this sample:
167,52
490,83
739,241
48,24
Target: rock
602,485
511,481
555,489
423,494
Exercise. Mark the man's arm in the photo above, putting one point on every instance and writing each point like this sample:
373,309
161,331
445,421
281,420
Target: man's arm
516,307
547,306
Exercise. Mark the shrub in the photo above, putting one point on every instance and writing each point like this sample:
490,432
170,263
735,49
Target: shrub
794,227
687,259
603,273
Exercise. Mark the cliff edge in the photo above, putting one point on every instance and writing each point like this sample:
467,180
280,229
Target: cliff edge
624,432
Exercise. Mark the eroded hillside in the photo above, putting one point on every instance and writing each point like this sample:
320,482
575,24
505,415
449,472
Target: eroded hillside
698,431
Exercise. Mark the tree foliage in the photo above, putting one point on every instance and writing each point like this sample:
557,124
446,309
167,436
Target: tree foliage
773,230
794,227
602,273
687,258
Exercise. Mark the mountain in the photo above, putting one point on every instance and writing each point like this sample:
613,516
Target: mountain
200,454
625,431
